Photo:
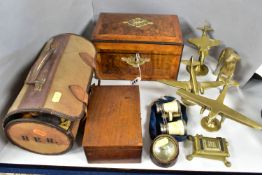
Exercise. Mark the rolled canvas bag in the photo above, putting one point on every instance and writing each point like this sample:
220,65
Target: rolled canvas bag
45,116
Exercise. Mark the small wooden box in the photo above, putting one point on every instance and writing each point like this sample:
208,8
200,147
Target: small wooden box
157,39
113,125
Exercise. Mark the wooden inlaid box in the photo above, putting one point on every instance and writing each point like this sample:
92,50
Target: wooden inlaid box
113,130
119,38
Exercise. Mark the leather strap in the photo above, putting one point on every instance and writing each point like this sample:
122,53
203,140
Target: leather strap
88,59
35,97
79,93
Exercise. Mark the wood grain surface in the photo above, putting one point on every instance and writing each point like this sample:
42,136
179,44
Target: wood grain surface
160,41
113,126
110,66
113,26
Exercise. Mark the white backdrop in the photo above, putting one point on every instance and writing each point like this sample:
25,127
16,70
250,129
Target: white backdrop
27,24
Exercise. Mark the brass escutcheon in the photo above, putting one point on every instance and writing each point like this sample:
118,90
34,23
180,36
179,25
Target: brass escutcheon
135,61
138,22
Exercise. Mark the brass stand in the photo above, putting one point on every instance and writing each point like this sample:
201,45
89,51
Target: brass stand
210,125
203,44
200,70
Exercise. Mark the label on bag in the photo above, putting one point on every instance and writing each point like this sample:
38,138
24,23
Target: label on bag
56,97
39,132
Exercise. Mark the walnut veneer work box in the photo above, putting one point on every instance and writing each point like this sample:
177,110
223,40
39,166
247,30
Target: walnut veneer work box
113,130
126,41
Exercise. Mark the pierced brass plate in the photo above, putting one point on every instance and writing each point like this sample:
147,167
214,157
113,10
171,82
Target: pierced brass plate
135,61
138,22
211,148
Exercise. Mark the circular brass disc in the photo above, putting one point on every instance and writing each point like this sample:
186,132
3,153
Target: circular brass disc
200,70
212,126
42,138
164,150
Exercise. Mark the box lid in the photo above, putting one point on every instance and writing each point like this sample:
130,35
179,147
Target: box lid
138,28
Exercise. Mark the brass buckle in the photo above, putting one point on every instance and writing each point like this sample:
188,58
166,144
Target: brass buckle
39,84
